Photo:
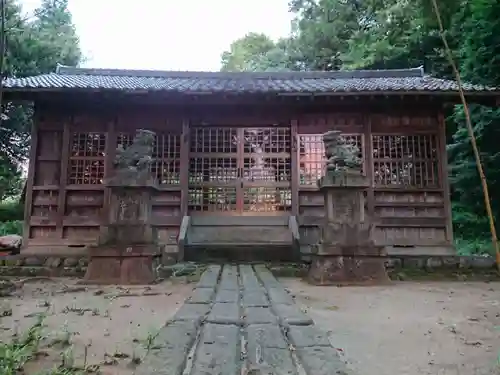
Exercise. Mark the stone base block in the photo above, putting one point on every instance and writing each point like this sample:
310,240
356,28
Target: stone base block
133,270
334,270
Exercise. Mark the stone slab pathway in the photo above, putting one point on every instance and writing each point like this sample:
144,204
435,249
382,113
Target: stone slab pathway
240,320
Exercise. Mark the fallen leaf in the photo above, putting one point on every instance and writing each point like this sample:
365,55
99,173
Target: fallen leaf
332,308
473,343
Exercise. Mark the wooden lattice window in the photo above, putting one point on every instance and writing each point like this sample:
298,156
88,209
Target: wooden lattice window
240,169
167,159
212,199
166,156
86,161
312,158
405,160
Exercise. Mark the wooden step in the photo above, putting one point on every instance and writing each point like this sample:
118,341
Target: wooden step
240,238
239,235
232,253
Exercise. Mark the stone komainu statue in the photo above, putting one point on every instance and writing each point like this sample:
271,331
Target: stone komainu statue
137,158
340,154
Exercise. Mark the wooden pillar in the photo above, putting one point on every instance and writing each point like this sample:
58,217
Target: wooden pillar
28,200
110,150
184,165
295,172
368,165
63,177
443,174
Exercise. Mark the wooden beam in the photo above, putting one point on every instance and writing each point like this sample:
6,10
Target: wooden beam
168,102
63,177
30,178
443,171
110,150
184,165
295,172
368,165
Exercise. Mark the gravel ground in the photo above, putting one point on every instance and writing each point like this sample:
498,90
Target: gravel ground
103,326
407,328
410,328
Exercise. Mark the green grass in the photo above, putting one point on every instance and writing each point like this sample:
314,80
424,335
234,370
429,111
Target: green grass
25,348
14,355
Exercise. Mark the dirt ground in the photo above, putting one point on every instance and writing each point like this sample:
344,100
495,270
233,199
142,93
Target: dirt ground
407,328
410,328
105,326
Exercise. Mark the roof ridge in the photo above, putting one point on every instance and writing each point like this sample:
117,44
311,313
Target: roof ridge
388,73
400,81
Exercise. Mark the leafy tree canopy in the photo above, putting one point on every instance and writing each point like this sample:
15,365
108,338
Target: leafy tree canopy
34,45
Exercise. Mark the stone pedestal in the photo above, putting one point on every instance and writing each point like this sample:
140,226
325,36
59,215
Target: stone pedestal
346,252
347,269
128,251
112,265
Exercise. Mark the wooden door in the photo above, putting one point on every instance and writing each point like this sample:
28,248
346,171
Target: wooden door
240,171
265,162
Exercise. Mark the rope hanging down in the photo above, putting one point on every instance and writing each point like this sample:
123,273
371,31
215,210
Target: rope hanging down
470,129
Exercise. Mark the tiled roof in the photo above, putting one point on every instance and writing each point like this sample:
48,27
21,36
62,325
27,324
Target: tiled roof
361,81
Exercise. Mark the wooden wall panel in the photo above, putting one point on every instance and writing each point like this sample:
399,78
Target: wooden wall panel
402,156
68,200
43,178
408,184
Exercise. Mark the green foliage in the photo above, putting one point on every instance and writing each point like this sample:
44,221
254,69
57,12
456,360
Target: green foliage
368,34
480,64
10,177
11,217
33,46
11,210
11,227
474,246
255,52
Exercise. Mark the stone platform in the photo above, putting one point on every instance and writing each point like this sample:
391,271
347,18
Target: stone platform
240,320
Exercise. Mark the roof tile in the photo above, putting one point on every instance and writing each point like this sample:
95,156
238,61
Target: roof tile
401,80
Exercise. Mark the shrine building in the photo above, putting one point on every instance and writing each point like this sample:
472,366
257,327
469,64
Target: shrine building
238,156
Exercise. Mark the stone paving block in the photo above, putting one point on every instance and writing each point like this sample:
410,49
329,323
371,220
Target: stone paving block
322,360
175,341
225,313
267,335
229,278
278,295
307,336
259,315
202,295
210,277
254,298
227,296
218,351
291,315
248,278
267,350
266,277
271,361
181,333
192,312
